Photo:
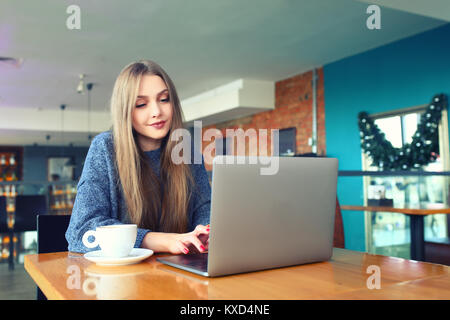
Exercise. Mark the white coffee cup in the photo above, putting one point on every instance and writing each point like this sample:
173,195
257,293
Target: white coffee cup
116,240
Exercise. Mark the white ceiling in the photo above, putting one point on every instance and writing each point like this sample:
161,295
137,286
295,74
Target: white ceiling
202,44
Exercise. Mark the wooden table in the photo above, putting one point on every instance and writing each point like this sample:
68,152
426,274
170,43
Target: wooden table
67,275
416,218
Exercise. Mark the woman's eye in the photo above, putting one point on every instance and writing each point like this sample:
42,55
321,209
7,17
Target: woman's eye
144,104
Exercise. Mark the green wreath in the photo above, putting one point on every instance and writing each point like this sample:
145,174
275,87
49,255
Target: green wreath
423,149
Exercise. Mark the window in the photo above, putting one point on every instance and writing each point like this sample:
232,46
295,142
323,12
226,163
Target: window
388,233
287,143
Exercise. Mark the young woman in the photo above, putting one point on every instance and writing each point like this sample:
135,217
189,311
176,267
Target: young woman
129,176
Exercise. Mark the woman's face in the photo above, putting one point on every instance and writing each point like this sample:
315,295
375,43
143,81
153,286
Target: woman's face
152,115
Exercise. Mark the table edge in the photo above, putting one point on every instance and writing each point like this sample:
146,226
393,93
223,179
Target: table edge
47,288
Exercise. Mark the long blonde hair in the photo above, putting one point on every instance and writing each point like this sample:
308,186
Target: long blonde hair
141,188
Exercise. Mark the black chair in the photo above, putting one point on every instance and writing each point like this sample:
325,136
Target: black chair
3,216
27,208
51,233
51,236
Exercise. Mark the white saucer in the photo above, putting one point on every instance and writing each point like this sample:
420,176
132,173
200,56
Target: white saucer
136,255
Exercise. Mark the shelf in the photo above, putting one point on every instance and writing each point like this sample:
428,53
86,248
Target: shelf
6,167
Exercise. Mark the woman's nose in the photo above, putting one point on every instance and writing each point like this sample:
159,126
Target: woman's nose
155,110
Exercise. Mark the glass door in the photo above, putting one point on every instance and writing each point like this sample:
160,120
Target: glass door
389,233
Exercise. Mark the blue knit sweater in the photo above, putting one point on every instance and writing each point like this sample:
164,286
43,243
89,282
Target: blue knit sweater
100,199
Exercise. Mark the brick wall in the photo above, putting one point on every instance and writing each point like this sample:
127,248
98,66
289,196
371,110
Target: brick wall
293,108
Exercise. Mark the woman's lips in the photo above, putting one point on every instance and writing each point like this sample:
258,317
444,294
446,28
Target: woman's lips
158,125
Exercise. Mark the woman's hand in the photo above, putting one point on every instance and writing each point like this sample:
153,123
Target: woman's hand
191,242
177,243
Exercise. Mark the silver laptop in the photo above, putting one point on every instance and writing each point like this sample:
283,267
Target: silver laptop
264,221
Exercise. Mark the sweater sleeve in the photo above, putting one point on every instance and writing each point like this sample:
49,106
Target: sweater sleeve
201,196
94,199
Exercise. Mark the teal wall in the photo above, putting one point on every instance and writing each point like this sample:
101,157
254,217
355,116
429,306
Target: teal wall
398,75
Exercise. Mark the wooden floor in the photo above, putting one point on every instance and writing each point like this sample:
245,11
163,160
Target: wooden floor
16,284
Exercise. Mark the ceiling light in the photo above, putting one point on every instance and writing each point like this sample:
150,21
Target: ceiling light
80,87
